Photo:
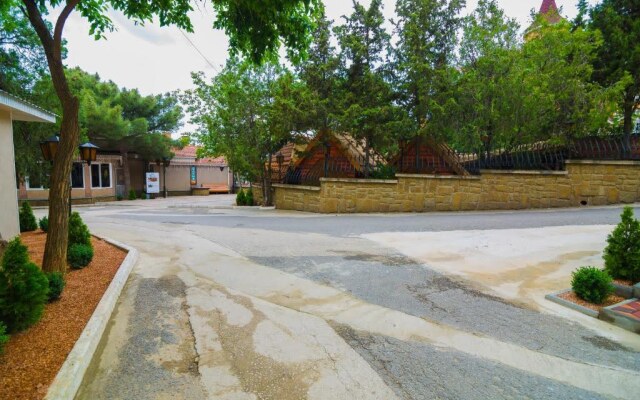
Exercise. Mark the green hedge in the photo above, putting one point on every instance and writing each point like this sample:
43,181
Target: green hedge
56,285
28,221
78,231
622,254
23,288
79,255
44,224
4,336
592,284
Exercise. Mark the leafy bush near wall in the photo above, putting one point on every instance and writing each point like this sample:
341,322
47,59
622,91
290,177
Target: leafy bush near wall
241,199
23,288
248,200
4,337
383,172
78,231
79,255
132,195
592,284
56,285
622,254
28,221
44,224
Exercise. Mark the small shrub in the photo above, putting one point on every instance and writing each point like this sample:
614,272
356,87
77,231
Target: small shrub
241,199
23,288
383,172
248,200
78,231
119,197
622,254
132,195
592,284
56,285
44,224
79,255
4,337
28,221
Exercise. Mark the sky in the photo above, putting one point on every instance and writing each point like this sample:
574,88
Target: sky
158,60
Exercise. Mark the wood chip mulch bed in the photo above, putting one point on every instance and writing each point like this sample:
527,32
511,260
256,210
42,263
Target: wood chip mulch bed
572,297
623,282
32,358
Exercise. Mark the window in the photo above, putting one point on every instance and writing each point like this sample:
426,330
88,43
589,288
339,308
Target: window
101,175
38,179
77,176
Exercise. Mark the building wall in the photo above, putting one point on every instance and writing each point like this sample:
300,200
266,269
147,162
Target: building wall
583,183
9,226
179,177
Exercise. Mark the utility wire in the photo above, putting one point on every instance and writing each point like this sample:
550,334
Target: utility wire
198,50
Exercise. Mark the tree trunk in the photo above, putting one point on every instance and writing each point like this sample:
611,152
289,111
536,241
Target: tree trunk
126,171
55,252
268,201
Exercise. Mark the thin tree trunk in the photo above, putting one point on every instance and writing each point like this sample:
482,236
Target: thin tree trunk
55,253
126,171
268,201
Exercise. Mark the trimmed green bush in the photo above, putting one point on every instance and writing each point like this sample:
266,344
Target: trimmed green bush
28,221
622,254
132,195
78,231
119,197
383,172
23,288
592,284
79,255
241,199
56,285
4,336
44,224
248,200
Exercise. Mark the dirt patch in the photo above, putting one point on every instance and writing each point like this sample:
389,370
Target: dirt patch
32,358
604,343
390,261
623,282
572,297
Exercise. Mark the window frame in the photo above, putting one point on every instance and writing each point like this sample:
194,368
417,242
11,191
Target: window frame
99,166
84,185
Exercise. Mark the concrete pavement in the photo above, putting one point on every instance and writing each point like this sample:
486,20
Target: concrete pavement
262,304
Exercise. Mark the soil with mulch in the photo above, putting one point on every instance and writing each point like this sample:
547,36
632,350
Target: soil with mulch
32,358
623,282
572,297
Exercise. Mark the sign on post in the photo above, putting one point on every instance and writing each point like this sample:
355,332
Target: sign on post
194,175
153,182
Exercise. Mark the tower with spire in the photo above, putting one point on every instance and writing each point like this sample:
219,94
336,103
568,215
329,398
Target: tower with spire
549,11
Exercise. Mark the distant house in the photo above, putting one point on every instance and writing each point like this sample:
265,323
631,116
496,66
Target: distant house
426,155
333,155
549,11
187,171
12,109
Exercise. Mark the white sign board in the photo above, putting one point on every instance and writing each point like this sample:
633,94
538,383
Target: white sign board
153,182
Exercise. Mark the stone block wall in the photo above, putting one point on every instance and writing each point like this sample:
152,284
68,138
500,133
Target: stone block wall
583,183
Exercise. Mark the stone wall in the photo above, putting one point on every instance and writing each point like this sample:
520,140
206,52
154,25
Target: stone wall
583,183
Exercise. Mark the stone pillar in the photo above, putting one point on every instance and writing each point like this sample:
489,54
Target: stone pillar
9,225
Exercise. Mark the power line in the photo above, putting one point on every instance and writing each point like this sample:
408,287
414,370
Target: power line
199,52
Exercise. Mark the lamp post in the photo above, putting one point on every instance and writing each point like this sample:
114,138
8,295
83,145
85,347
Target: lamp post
49,147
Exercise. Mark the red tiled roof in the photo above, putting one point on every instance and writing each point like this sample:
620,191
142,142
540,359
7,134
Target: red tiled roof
189,155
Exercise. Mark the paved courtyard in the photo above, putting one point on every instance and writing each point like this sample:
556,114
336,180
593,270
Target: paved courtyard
261,304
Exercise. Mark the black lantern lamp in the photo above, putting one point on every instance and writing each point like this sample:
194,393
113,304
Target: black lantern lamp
49,148
88,152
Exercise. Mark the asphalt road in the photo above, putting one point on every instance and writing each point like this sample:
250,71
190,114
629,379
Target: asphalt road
178,242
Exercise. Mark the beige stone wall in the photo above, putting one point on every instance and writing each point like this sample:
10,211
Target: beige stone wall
583,183
299,198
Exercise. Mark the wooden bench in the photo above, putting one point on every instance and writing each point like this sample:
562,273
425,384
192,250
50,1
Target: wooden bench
216,187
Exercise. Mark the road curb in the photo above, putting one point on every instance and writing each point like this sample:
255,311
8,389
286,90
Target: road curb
576,307
68,380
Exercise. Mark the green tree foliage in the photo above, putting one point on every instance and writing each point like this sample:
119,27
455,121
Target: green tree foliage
622,254
241,198
78,231
423,56
366,96
28,221
23,288
618,59
592,284
44,224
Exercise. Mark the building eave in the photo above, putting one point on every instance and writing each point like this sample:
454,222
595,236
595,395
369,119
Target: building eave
22,110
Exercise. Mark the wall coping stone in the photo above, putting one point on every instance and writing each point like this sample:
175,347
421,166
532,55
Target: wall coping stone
355,180
522,172
298,187
425,176
603,162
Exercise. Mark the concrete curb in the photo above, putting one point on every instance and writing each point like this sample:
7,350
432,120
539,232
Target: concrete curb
576,307
623,290
619,319
71,374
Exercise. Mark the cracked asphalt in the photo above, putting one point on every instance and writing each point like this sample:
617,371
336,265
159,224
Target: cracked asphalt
241,303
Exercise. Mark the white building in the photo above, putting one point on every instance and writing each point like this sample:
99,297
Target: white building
13,109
